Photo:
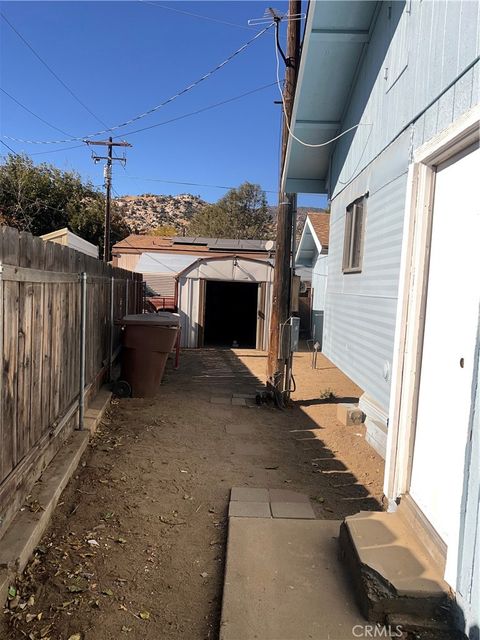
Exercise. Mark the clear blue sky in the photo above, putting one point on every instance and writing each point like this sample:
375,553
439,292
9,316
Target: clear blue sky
122,58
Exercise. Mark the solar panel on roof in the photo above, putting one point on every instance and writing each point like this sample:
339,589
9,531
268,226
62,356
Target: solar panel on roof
191,240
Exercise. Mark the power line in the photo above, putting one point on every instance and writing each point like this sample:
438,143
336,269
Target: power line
41,153
189,184
160,124
34,114
9,148
195,15
47,66
156,107
197,111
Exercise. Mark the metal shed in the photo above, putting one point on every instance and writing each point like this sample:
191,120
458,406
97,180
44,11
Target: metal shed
225,301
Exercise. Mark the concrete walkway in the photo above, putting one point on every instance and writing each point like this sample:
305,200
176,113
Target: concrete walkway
283,582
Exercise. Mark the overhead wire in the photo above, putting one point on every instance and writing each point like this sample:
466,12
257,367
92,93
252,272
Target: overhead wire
41,153
188,184
49,68
156,107
169,121
286,119
195,15
35,115
197,111
9,148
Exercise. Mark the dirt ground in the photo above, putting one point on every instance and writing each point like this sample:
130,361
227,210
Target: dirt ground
136,547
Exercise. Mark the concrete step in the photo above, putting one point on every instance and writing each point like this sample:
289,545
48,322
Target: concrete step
392,572
422,628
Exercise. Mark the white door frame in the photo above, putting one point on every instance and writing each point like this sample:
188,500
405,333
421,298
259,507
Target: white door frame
410,318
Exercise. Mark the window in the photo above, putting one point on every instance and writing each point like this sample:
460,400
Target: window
353,242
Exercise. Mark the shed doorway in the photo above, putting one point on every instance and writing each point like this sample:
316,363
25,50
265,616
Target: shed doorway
230,314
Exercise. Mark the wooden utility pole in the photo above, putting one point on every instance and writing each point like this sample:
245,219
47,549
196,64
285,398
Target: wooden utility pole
108,185
278,355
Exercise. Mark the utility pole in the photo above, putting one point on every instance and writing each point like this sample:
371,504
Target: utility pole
278,355
107,172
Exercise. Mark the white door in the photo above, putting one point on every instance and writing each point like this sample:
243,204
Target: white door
451,322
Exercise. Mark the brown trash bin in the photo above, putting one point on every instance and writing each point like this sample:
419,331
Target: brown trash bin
147,340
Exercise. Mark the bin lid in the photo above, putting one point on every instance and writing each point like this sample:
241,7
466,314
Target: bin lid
152,319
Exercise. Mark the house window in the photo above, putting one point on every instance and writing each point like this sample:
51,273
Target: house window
354,231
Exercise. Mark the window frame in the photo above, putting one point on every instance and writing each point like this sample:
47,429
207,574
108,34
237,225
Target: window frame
350,240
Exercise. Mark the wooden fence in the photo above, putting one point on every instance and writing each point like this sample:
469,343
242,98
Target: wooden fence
40,347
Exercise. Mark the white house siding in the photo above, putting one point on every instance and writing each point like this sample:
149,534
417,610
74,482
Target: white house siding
427,53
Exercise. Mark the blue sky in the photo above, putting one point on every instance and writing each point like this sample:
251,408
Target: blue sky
122,58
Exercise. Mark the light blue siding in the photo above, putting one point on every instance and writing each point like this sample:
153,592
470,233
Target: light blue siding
361,307
319,284
432,43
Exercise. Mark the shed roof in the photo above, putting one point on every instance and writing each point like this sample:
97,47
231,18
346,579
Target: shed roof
195,244
336,35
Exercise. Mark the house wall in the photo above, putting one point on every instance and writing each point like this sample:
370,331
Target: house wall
126,260
319,284
432,44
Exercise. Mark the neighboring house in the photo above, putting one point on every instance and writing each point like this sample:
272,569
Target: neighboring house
221,287
403,292
313,252
69,239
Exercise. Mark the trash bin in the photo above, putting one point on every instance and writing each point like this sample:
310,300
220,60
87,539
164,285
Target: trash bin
147,340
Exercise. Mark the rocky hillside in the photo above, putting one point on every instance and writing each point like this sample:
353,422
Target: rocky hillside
145,213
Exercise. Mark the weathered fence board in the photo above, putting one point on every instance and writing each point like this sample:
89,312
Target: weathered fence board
40,306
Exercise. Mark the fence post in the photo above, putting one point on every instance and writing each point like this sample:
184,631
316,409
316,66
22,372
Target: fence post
83,329
127,289
110,349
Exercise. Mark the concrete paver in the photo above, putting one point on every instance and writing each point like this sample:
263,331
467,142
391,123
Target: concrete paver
292,510
287,495
249,510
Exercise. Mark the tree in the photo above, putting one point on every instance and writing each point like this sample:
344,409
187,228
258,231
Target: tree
241,213
42,198
165,230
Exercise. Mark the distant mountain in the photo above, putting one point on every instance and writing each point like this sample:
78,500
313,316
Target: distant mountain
144,213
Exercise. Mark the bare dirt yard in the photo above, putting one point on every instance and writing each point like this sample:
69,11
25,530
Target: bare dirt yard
137,544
